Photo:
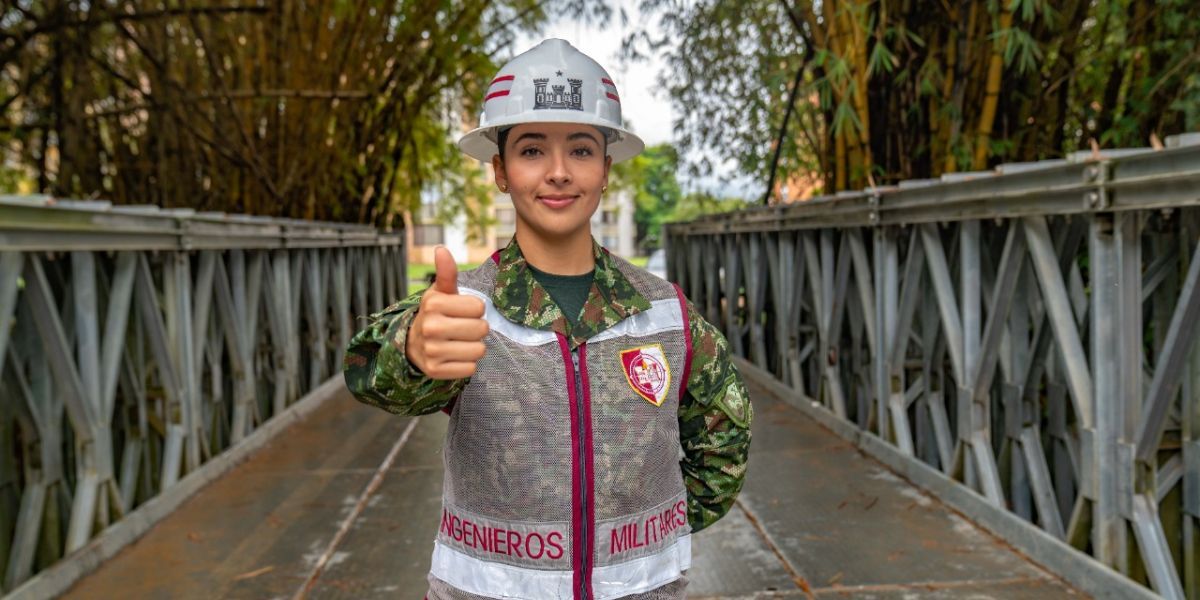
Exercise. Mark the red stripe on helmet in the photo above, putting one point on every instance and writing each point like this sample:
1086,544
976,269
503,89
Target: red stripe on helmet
502,78
496,94
608,81
611,96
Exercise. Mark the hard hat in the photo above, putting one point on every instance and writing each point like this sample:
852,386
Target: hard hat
551,83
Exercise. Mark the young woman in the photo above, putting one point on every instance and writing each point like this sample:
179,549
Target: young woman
595,418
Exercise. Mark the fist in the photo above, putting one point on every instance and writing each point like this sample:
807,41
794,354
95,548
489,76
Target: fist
445,340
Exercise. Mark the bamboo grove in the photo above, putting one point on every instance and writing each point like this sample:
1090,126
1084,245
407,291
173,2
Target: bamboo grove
876,91
337,110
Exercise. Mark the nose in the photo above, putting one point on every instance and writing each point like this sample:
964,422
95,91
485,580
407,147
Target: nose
558,174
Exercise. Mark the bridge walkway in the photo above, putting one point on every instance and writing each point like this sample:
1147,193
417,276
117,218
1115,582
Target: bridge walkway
345,504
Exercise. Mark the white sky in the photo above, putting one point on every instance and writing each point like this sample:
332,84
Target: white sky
648,111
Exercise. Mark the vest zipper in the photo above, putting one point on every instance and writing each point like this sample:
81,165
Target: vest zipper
584,547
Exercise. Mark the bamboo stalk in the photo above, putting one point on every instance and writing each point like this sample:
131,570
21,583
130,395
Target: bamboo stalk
840,141
987,117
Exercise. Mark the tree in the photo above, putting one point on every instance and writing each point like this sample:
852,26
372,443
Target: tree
696,204
886,91
650,178
342,109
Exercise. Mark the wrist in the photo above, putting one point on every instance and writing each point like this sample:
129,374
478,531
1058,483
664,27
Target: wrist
406,329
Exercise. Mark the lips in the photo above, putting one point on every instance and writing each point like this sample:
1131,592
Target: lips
557,201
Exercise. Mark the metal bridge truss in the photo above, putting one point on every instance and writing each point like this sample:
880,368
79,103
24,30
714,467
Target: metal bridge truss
136,344
1029,332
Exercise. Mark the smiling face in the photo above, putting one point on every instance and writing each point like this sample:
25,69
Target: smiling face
554,173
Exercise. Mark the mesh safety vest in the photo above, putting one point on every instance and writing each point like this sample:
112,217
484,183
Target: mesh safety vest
562,475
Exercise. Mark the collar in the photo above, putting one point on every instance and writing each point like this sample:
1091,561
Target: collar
521,299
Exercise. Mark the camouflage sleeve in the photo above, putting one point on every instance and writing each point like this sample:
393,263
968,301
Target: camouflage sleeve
714,426
378,373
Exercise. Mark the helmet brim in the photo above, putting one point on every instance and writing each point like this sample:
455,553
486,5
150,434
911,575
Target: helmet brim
479,143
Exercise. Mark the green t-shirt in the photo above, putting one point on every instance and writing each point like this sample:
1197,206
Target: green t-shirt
569,292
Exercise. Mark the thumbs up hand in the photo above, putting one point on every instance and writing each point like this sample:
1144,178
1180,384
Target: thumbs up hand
445,340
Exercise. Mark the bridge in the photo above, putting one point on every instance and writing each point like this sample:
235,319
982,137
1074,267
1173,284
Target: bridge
985,384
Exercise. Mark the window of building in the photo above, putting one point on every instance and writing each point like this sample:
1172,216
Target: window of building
428,235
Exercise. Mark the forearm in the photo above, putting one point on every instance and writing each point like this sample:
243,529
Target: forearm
716,450
378,373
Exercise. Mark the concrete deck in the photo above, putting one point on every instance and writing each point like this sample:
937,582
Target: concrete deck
817,520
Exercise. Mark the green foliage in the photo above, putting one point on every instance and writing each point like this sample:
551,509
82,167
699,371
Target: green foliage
720,74
651,178
658,198
342,109
12,180
702,203
915,77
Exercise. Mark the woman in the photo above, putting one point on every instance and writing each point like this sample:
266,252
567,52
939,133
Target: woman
595,419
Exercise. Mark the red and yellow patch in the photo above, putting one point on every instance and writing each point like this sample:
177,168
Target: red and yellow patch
647,371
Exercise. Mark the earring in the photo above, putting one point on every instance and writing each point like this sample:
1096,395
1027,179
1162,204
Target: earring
603,188
504,188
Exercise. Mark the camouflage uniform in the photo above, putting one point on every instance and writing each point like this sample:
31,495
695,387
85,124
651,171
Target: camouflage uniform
714,413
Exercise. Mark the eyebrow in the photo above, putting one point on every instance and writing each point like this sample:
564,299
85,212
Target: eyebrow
535,136
583,135
541,136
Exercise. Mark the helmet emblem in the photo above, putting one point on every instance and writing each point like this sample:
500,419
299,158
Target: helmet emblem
558,96
647,372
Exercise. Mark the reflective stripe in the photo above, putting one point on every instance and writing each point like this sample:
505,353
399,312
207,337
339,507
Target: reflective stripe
495,580
663,316
643,574
526,336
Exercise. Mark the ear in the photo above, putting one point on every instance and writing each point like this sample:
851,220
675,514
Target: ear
501,176
607,168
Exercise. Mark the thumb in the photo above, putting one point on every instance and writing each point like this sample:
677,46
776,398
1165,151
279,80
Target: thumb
447,271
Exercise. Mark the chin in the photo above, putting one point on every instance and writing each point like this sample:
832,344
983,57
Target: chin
560,230
559,226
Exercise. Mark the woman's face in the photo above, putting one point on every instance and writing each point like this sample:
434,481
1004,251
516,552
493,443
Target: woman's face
554,173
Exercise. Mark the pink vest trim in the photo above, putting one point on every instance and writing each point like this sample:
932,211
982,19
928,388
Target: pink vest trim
687,340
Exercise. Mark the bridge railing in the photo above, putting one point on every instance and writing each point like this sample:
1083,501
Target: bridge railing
136,344
1028,332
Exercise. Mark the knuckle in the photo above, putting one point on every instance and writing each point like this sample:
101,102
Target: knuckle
434,301
428,297
481,333
434,327
476,307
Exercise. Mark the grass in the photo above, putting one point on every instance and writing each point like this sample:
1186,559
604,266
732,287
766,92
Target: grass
418,274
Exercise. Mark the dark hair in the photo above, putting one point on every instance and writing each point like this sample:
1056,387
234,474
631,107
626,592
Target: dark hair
502,139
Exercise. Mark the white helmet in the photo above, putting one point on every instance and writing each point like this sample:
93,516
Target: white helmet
551,83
